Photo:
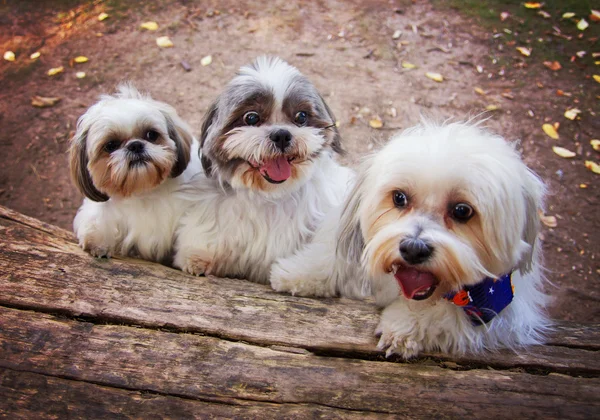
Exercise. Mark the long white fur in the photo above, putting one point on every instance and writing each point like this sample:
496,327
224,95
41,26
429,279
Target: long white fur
434,159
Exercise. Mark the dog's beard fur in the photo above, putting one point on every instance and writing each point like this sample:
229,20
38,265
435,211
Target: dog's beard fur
236,153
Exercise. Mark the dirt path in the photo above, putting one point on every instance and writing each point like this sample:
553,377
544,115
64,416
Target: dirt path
347,50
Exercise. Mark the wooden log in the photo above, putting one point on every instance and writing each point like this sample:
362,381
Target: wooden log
44,270
215,370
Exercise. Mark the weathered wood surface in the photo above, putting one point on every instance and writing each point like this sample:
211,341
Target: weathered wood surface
129,338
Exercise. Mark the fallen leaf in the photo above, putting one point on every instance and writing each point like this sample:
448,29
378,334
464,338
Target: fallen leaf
595,15
435,76
544,14
479,91
572,113
581,54
595,145
55,70
81,59
596,78
504,16
592,166
532,5
550,131
102,16
562,152
376,122
150,26
206,60
9,56
549,221
492,107
80,74
164,42
553,65
508,95
44,102
525,51
583,186
582,25
407,65
397,34
35,55
568,15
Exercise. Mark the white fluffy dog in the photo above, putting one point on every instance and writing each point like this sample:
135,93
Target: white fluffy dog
128,157
441,227
268,145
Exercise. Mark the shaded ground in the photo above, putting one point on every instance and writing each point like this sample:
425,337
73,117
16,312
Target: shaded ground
348,50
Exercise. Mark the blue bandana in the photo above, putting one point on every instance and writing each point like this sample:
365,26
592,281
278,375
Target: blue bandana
485,300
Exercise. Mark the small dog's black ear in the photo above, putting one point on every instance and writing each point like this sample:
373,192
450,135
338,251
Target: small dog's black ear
336,143
209,120
350,241
533,191
180,133
78,161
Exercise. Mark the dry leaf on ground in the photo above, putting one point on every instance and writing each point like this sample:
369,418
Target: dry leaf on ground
9,56
504,16
596,78
572,113
544,14
549,221
435,76
582,25
376,122
407,65
595,15
80,74
479,91
525,51
550,131
206,60
397,34
568,15
562,152
81,59
595,145
150,26
492,107
553,65
164,42
44,102
55,70
35,55
532,5
102,16
592,166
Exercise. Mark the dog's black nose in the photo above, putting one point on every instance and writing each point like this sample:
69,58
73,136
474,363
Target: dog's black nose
136,147
415,251
281,138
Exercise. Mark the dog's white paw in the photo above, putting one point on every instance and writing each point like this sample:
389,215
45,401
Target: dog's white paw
96,247
395,338
298,285
197,263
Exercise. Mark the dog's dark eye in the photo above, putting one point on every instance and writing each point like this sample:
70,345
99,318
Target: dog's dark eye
301,118
112,145
462,212
400,199
251,118
151,136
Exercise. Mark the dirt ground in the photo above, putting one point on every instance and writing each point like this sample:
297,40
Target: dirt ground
347,49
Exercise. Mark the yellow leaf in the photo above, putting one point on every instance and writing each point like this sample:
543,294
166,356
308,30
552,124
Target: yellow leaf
549,221
206,60
572,113
9,56
532,5
596,78
550,131
595,15
553,65
583,186
102,16
407,65
562,152
479,91
150,26
43,102
525,51
164,42
492,108
568,15
595,145
435,76
376,122
80,74
582,25
81,59
544,14
592,166
35,55
55,70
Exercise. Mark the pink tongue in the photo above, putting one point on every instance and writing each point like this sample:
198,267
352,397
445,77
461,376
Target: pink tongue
278,169
412,281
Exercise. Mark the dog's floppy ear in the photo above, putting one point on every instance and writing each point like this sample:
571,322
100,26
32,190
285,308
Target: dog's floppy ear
181,134
78,161
336,143
350,241
533,192
209,119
